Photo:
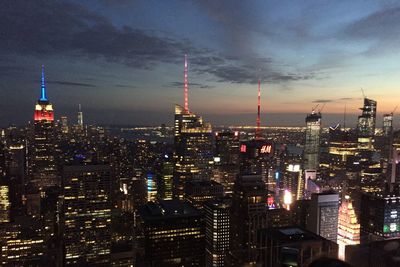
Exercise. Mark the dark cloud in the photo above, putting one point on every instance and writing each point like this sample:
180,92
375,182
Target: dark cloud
71,83
382,24
191,85
335,100
248,74
117,3
44,28
40,27
239,21
381,29
125,86
349,98
323,101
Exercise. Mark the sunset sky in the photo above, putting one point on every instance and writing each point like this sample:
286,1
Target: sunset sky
123,60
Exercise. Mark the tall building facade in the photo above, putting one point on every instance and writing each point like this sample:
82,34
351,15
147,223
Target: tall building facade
200,192
22,245
80,117
379,217
248,215
342,148
312,145
366,125
167,177
86,215
173,234
387,139
227,158
393,174
43,169
193,149
5,205
217,219
227,147
292,246
324,211
292,180
349,228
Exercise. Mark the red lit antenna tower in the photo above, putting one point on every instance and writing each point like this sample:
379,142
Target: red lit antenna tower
186,86
258,130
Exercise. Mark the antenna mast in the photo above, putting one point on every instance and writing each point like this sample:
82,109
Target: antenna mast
344,116
258,130
185,86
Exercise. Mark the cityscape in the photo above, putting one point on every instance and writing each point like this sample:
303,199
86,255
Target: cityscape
191,190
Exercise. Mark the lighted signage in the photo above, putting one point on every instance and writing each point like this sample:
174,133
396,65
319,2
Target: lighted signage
270,201
294,167
287,197
243,148
266,149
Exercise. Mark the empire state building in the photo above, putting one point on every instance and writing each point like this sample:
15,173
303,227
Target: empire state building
42,154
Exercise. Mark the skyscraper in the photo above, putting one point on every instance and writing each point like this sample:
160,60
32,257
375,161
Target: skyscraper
248,215
22,244
387,124
151,187
227,158
5,206
64,124
388,139
86,215
379,217
366,125
43,168
311,148
217,232
323,218
166,179
292,180
349,228
193,149
80,116
394,163
173,234
227,147
193,145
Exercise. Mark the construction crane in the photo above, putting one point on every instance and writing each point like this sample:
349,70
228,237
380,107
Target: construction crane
320,110
314,108
362,91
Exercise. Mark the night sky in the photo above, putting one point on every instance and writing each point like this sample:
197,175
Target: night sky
123,59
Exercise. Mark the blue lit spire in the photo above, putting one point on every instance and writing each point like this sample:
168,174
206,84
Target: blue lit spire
43,95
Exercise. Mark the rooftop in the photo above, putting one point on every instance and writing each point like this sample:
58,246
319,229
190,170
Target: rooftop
291,234
168,209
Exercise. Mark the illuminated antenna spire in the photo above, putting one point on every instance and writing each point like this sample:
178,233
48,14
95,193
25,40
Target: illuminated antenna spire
80,116
186,86
43,96
344,116
258,130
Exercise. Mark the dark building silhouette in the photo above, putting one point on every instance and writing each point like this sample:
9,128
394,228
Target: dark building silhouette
86,215
173,234
292,246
